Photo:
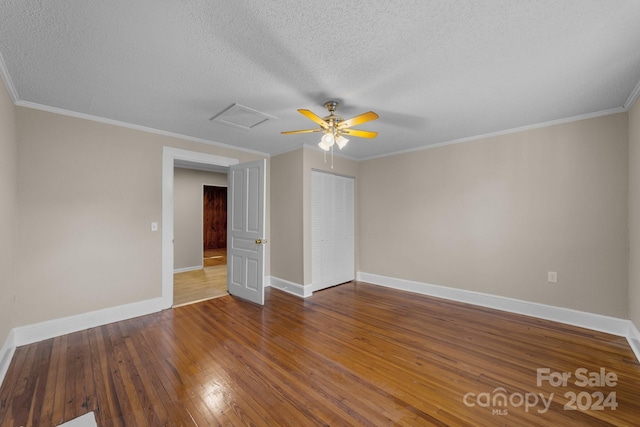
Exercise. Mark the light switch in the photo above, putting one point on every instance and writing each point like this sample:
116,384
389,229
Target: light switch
154,226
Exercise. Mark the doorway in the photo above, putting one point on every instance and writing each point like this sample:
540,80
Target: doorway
214,236
256,174
200,224
214,224
172,158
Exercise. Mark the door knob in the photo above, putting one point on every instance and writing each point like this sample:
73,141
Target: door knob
258,241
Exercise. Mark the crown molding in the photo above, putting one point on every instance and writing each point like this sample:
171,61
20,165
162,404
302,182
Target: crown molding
288,150
506,132
61,111
6,77
632,98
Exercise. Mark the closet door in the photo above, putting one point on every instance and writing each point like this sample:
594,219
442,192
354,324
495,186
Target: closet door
332,230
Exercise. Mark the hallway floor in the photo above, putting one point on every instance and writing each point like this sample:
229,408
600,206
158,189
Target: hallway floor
203,284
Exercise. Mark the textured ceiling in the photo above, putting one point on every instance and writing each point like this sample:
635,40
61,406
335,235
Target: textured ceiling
435,71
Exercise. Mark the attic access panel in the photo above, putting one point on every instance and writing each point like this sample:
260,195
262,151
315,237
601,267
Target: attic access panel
241,117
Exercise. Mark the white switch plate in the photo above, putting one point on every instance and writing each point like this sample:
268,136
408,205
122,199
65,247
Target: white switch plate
552,277
154,226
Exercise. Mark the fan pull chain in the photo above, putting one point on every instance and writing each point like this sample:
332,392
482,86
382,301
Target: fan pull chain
332,157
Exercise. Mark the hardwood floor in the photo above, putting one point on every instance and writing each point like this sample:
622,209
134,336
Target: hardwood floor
215,257
206,283
355,354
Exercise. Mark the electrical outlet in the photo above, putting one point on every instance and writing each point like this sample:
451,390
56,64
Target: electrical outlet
552,277
154,226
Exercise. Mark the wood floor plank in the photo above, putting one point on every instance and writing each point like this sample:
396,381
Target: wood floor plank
74,393
124,387
45,349
50,386
355,354
57,416
100,377
89,404
22,399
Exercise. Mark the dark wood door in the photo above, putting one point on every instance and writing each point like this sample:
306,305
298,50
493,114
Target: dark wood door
214,222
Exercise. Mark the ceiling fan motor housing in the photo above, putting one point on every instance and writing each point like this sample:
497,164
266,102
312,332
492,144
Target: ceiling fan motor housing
332,119
332,106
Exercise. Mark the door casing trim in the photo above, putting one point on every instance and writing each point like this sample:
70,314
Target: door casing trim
169,155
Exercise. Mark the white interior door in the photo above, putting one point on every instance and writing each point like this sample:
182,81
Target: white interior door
245,236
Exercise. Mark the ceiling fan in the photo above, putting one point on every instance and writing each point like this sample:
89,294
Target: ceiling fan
335,127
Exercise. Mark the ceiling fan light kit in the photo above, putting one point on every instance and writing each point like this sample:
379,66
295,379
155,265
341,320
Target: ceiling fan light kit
326,142
335,127
341,141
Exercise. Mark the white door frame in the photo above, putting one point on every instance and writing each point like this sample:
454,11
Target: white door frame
169,155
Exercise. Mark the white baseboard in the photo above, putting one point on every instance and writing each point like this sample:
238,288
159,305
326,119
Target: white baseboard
290,287
6,354
633,336
335,282
66,325
45,330
185,269
596,322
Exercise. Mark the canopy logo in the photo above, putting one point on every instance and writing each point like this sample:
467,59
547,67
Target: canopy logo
499,400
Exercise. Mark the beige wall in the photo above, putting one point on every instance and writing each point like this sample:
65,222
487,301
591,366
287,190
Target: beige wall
494,215
634,214
187,214
287,193
88,192
8,212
